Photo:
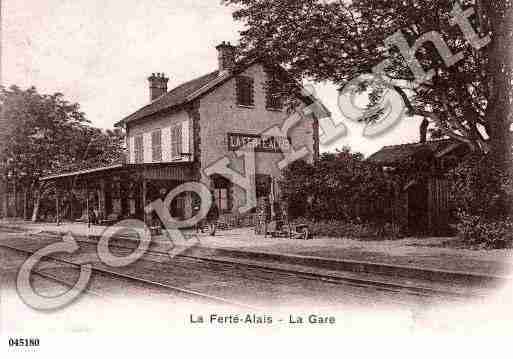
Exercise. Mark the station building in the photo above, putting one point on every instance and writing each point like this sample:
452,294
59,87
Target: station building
182,132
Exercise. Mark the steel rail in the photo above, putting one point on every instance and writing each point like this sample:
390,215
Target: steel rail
188,292
332,279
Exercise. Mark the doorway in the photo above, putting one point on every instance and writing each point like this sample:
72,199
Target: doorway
418,216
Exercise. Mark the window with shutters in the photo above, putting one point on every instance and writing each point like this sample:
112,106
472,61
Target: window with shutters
176,142
156,146
244,89
138,149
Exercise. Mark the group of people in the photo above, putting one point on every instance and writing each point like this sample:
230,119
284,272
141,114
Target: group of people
211,219
266,211
271,216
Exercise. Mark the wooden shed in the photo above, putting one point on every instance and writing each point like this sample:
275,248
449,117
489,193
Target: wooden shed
424,199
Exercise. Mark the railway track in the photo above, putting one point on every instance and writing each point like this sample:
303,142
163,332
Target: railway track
176,291
333,279
65,283
256,271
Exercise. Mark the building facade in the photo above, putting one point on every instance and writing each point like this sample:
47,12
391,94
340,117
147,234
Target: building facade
181,133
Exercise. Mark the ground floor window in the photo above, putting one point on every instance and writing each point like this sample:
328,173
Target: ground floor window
221,198
222,193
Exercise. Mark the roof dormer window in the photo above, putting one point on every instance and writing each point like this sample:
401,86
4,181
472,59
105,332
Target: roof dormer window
273,100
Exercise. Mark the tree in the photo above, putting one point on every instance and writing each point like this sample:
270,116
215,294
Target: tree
339,40
497,18
46,134
101,148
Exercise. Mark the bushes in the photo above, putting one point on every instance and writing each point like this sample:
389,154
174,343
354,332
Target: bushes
480,188
341,196
350,229
339,186
477,232
482,196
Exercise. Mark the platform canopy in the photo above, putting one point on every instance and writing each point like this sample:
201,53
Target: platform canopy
177,171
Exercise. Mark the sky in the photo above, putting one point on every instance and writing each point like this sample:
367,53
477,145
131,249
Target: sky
100,53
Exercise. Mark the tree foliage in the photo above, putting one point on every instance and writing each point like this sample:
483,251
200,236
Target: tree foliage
45,134
339,40
480,188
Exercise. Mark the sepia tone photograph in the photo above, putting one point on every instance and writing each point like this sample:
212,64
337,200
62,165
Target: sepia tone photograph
254,169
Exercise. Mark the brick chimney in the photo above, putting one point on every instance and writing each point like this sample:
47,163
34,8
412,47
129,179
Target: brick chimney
158,85
225,56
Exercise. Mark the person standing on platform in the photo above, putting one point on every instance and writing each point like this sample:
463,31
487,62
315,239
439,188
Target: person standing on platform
200,224
267,215
91,218
212,218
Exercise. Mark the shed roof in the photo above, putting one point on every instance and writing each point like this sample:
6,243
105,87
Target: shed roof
395,154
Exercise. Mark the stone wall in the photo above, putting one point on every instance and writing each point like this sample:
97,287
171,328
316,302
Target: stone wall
220,114
211,118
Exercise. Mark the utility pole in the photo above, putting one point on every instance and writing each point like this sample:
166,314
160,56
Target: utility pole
3,184
1,43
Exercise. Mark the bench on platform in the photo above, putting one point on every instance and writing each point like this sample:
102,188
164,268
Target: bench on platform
299,231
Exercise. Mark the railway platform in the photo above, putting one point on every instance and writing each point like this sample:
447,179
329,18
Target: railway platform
416,258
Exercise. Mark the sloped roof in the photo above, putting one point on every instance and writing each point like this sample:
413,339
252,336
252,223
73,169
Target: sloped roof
193,89
114,166
176,97
390,155
81,172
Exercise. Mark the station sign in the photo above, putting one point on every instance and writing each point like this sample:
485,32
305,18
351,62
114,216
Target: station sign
258,143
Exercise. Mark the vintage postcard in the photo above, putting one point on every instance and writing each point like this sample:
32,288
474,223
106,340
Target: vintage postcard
255,177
